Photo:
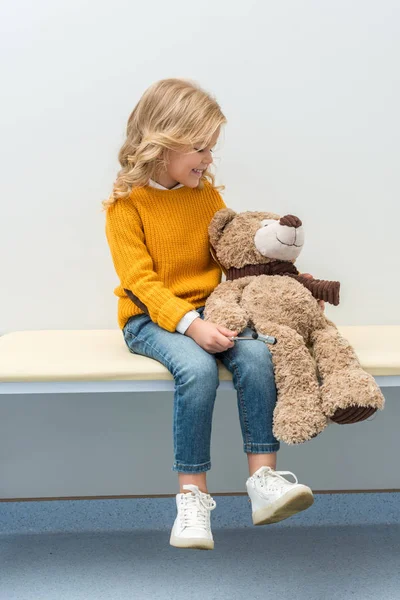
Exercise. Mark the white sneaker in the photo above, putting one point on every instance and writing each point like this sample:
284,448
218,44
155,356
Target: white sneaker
273,498
192,527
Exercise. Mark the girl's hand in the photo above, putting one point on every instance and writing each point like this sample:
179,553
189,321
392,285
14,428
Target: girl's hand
211,337
320,302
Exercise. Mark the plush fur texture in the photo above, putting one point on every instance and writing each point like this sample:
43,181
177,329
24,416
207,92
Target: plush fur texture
317,372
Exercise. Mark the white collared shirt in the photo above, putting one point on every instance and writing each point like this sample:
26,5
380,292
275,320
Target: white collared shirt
191,315
161,187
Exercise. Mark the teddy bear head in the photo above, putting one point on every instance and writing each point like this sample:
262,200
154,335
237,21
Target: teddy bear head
239,240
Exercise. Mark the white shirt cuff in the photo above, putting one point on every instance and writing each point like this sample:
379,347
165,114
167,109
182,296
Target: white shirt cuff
187,320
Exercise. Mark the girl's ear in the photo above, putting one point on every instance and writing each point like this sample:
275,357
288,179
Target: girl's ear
164,156
161,162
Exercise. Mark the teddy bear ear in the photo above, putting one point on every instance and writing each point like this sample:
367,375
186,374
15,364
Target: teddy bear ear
219,221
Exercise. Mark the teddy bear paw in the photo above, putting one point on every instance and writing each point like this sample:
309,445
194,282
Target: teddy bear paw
294,426
348,393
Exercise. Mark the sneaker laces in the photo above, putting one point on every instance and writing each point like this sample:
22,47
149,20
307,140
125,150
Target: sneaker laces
276,475
196,506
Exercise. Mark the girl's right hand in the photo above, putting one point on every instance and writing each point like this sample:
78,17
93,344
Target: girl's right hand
211,337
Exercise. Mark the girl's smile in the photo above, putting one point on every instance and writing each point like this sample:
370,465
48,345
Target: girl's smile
198,172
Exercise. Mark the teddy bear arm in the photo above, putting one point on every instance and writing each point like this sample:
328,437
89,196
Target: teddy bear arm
223,306
321,289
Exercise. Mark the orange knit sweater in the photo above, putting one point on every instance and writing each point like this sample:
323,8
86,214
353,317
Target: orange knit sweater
159,245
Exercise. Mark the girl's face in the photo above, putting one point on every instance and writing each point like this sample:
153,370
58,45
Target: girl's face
187,168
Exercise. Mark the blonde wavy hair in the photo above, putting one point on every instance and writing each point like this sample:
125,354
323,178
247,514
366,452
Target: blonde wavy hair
172,114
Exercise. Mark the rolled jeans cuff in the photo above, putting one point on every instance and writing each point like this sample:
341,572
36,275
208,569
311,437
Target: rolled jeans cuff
261,448
191,468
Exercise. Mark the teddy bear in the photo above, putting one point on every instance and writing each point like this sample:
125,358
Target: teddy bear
318,376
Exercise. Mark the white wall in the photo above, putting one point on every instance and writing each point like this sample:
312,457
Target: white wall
311,92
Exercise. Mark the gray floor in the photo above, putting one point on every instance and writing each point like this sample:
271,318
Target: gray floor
260,562
346,546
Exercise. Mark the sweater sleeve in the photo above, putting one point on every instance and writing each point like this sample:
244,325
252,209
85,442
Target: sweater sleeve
134,267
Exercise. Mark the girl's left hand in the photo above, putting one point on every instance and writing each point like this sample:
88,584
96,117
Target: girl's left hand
320,302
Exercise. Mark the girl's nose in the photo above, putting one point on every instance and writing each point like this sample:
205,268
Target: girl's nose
208,158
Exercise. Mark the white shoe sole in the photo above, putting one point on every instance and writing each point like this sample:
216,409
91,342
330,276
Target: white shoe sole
199,543
289,504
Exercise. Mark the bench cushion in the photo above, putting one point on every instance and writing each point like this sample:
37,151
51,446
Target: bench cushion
101,355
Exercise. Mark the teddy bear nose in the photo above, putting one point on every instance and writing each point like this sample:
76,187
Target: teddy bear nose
290,221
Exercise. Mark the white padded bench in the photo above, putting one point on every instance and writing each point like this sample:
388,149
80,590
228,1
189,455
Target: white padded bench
52,361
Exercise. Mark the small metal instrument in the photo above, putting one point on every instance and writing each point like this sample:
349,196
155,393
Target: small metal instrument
267,339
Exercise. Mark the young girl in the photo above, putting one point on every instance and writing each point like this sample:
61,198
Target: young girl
157,219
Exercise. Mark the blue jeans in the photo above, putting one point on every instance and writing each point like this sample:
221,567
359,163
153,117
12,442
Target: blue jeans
195,372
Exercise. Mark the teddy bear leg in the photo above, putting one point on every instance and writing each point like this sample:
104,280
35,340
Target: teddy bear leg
298,415
349,394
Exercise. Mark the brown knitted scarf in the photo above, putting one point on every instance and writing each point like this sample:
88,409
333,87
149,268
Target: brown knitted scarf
320,288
